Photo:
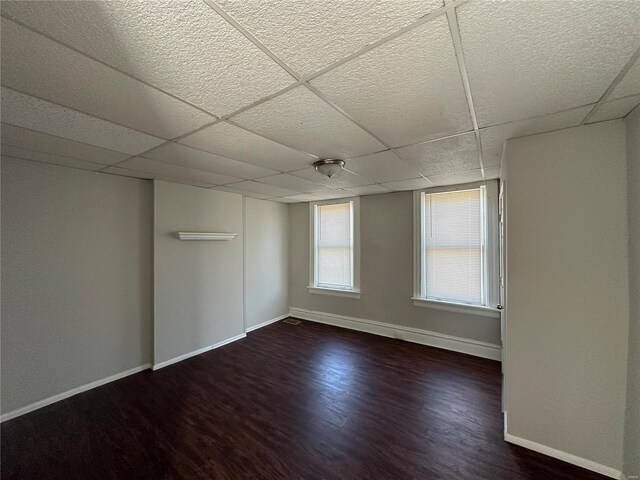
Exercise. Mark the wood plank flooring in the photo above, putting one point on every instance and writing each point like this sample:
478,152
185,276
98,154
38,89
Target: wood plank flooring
304,401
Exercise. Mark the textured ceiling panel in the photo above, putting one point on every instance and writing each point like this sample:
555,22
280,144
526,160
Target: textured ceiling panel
309,35
293,183
234,142
615,109
343,179
301,119
443,156
38,66
190,157
242,192
185,48
491,173
406,90
29,112
263,188
368,190
457,178
123,172
176,171
15,152
41,142
493,138
382,167
527,58
306,197
630,83
415,184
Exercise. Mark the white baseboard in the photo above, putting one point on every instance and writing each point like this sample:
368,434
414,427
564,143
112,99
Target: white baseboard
564,456
71,393
171,361
415,335
268,322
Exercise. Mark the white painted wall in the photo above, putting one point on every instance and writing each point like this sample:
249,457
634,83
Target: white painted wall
76,279
568,291
386,250
632,418
267,261
198,294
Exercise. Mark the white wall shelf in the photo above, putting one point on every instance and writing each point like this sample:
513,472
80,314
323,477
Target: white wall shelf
206,236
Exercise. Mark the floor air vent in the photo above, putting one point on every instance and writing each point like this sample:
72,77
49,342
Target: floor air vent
291,321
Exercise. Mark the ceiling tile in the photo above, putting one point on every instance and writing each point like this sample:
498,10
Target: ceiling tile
190,157
303,198
415,184
38,66
491,173
382,167
493,138
302,120
332,194
30,112
23,154
293,183
443,156
344,179
176,171
310,35
615,109
123,172
41,142
283,200
263,188
235,142
368,190
630,83
530,58
406,90
211,64
457,178
242,192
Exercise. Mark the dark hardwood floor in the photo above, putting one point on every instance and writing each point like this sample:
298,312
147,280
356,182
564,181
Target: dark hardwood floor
288,402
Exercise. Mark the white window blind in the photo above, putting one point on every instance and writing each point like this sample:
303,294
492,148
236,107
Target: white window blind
334,245
453,246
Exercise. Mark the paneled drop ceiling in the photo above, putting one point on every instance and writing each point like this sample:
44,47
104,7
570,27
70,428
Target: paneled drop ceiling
244,95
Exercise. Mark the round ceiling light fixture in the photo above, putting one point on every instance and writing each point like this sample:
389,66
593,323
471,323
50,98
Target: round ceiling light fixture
329,166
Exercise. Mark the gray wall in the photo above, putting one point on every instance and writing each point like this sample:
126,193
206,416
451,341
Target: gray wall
568,292
198,284
632,421
386,259
267,260
76,279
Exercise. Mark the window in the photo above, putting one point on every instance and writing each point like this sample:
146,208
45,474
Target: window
455,247
334,247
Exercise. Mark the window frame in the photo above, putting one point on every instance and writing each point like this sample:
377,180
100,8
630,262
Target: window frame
491,267
313,286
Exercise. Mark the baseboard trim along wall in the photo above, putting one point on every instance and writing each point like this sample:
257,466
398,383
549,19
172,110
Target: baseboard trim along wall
173,360
268,322
72,392
564,456
415,335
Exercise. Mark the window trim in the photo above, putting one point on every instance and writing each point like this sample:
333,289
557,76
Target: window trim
339,292
322,290
491,269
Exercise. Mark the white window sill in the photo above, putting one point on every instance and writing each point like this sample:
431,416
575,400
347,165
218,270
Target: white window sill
334,291
457,307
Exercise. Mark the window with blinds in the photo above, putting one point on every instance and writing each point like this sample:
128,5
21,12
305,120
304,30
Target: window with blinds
453,246
333,246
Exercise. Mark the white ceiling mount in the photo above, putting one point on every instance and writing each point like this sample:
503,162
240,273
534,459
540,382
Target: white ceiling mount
206,236
329,167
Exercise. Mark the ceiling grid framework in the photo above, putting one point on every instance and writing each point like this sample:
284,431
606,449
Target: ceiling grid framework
435,155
